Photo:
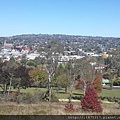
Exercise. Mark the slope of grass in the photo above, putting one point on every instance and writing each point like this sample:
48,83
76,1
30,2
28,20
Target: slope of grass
47,108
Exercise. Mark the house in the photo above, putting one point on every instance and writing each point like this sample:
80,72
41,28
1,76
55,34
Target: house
32,56
25,50
91,54
105,81
100,66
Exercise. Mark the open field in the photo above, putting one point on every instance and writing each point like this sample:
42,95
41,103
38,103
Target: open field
57,108
62,95
110,93
46,108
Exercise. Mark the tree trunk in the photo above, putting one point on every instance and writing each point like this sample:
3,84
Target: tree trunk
84,89
71,90
70,96
49,81
65,89
9,86
56,89
111,85
18,90
5,88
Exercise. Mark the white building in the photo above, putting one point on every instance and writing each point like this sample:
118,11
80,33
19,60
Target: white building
32,56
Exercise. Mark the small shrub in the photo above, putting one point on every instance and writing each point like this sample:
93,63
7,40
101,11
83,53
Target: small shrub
102,98
8,98
38,96
69,107
81,97
110,99
45,97
25,98
14,93
54,98
116,100
77,97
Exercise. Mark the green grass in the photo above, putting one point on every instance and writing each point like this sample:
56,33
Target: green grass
62,95
110,93
105,92
32,90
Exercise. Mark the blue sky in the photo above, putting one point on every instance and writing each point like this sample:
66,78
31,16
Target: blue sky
72,17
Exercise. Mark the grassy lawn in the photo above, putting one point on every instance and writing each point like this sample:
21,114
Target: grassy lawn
110,93
32,90
62,95
105,92
57,108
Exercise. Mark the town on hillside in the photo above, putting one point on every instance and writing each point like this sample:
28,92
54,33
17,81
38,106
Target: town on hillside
103,51
43,74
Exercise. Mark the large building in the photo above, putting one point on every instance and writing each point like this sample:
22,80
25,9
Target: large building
7,45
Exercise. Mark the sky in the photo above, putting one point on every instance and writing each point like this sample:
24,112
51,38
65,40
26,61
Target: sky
71,17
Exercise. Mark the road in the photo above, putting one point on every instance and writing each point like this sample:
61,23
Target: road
114,87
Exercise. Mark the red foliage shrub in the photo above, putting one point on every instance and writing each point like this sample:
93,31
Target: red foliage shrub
90,101
14,93
69,107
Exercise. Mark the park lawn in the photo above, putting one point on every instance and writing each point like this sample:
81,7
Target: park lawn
105,92
75,92
62,95
29,90
33,90
110,93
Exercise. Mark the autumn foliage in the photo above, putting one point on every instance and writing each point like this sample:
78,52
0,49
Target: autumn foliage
90,101
97,84
80,83
69,107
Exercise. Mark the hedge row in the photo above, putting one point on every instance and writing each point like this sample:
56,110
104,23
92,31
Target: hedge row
110,99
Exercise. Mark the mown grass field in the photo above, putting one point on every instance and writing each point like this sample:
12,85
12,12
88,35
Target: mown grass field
62,95
76,92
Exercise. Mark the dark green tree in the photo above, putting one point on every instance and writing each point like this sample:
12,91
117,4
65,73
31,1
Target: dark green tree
22,77
9,72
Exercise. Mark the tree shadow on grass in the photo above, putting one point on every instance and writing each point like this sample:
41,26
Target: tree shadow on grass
1,92
77,94
63,92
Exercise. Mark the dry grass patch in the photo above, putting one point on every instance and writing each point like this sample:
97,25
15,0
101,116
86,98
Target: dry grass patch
47,108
